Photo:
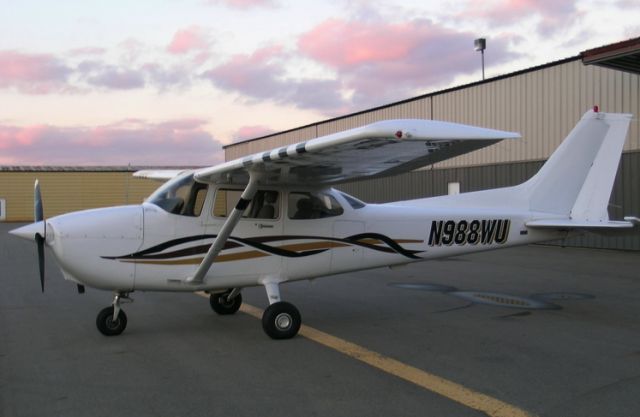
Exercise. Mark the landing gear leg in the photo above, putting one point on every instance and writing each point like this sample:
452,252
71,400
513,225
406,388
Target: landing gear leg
112,321
281,320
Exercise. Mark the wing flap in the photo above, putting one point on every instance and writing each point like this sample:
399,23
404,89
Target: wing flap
383,148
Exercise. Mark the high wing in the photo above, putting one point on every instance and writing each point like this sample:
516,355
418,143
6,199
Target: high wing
379,149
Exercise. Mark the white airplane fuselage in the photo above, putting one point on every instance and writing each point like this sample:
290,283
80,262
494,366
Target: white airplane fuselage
145,248
271,217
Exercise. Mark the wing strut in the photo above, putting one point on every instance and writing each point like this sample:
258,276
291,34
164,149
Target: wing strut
226,229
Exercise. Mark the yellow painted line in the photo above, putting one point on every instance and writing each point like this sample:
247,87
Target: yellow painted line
431,382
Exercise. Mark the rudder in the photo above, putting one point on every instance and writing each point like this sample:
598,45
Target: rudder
577,179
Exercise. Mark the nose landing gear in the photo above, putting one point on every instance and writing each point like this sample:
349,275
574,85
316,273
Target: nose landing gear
112,321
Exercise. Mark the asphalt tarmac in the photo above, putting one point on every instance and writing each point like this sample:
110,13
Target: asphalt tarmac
545,330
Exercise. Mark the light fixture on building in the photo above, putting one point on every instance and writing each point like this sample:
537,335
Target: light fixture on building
480,44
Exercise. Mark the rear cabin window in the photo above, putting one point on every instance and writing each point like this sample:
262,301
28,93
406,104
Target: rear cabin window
265,204
313,205
182,195
353,202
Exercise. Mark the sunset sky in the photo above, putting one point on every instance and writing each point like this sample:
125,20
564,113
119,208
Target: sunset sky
168,82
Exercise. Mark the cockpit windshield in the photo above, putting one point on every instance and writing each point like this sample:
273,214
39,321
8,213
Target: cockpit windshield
181,195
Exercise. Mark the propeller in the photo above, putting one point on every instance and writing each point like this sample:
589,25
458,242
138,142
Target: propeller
38,231
38,214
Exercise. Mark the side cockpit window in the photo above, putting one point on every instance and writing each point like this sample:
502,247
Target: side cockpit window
313,205
182,195
265,204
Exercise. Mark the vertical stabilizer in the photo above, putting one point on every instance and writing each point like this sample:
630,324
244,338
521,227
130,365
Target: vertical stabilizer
577,179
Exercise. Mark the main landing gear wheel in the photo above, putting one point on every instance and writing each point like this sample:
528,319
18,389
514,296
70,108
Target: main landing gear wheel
281,320
221,304
107,325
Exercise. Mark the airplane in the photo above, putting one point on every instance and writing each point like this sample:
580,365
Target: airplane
274,217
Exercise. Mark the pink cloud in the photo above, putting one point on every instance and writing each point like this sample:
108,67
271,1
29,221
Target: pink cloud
375,63
88,50
251,132
117,78
47,74
187,40
174,142
382,62
261,75
341,43
244,4
32,73
250,72
553,14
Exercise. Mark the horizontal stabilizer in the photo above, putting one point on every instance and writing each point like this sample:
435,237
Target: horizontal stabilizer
607,227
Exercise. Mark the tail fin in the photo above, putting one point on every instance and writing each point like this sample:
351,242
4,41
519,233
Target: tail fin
577,179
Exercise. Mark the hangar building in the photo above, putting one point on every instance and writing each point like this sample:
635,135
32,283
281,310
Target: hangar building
543,103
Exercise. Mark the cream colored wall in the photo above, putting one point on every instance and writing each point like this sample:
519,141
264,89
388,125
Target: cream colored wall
63,192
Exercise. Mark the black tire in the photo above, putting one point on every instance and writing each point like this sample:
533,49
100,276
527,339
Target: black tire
281,320
221,305
107,325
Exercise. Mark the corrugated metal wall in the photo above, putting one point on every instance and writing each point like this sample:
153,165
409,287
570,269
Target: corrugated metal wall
63,192
542,104
625,198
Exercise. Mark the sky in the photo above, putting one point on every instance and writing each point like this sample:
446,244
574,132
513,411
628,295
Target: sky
169,82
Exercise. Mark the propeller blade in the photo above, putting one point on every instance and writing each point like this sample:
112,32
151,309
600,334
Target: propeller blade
40,243
38,210
38,214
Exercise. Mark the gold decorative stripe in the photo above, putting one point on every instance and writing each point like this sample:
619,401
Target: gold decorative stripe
312,246
197,261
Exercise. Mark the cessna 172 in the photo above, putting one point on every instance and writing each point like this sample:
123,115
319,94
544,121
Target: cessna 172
273,217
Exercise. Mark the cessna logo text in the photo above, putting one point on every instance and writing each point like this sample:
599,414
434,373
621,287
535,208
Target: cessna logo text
474,232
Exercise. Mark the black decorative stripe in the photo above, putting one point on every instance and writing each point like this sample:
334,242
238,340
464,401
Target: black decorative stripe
353,240
163,246
259,243
282,152
390,242
246,162
195,250
242,204
300,148
266,157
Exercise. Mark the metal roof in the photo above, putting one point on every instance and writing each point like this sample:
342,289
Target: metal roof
43,168
395,103
623,56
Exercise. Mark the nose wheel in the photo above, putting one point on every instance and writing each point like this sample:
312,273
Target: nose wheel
226,303
112,321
